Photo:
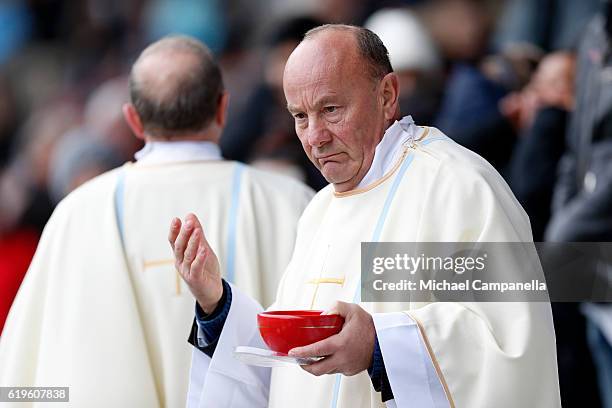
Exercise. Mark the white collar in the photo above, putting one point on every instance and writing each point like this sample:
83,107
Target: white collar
389,149
158,152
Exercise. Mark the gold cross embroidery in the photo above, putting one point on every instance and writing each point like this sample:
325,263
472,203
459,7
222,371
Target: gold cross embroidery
319,281
161,262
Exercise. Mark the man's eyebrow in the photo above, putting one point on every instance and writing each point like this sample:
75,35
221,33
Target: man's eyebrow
333,99
329,99
292,108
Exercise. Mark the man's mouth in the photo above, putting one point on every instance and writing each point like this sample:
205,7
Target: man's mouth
327,158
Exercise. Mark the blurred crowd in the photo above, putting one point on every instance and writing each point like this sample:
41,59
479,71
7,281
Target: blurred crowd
527,84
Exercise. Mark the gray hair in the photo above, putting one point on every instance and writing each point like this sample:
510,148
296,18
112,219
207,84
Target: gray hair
189,99
369,45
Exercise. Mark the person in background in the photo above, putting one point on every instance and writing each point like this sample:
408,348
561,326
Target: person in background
262,133
582,211
539,114
101,308
415,59
25,204
77,158
546,25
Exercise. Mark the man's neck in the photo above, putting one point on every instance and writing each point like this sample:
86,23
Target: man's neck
206,135
151,139
162,151
386,153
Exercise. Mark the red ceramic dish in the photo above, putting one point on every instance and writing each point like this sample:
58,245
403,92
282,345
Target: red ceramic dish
283,330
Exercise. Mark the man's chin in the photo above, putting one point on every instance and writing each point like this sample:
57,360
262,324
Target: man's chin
332,177
340,183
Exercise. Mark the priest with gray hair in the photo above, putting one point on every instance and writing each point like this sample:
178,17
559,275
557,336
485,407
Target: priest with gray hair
390,181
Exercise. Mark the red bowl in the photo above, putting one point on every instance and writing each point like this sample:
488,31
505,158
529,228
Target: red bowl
283,330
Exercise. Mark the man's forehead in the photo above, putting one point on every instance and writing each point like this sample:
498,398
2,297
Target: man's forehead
318,83
322,58
324,49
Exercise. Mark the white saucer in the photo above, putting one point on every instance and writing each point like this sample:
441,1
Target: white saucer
268,358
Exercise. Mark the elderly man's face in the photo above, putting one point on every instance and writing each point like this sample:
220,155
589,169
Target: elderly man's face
337,108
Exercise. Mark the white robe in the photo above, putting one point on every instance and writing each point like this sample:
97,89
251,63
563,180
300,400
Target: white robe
110,321
436,354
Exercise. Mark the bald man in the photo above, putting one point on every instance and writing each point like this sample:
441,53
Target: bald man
102,309
390,181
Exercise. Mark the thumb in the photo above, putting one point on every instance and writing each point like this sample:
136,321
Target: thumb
339,308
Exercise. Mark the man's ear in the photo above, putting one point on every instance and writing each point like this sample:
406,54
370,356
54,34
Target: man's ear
389,89
222,106
133,120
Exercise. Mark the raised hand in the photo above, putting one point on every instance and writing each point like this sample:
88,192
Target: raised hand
196,262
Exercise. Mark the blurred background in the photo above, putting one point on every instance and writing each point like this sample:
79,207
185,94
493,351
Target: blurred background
527,84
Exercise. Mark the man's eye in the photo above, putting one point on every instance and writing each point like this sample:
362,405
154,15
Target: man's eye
299,116
330,109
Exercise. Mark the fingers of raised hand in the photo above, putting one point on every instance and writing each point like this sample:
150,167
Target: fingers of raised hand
192,218
199,262
181,241
175,227
192,248
197,225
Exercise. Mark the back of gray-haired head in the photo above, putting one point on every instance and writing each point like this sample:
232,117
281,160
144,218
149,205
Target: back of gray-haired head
175,86
369,45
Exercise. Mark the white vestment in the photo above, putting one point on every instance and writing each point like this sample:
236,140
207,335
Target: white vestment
102,309
436,354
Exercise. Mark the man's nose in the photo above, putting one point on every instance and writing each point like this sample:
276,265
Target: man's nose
318,133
